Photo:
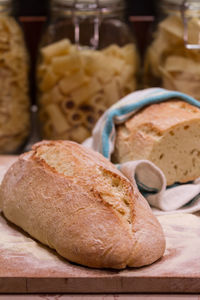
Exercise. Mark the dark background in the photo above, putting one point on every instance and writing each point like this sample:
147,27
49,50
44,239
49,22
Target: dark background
40,7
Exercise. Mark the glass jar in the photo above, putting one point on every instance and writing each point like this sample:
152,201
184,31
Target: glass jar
173,58
14,87
88,61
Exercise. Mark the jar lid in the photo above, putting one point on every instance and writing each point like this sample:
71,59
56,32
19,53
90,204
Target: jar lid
91,3
179,2
176,2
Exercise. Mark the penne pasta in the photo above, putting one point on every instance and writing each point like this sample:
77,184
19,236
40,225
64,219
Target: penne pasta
111,92
79,134
56,49
57,118
48,130
89,120
72,82
75,117
86,91
66,64
68,105
49,80
83,84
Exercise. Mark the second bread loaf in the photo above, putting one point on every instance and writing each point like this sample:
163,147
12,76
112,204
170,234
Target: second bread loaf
167,134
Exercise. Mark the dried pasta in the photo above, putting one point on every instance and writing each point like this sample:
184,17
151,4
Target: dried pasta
81,85
75,117
14,87
169,63
79,133
49,129
57,118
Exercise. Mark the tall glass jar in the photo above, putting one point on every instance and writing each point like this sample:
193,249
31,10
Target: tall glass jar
173,59
14,87
88,61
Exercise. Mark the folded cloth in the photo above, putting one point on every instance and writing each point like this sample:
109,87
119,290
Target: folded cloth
152,184
149,178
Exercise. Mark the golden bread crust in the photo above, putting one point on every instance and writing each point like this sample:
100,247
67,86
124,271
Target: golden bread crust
76,202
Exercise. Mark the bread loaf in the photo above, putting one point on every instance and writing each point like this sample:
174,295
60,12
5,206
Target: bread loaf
168,134
76,202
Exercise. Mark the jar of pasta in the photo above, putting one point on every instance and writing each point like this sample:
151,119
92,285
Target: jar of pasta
173,58
14,87
88,61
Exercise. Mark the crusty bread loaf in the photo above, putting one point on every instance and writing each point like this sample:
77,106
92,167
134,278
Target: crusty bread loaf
76,202
168,134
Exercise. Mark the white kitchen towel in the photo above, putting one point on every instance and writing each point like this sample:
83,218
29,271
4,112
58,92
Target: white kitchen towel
151,180
178,198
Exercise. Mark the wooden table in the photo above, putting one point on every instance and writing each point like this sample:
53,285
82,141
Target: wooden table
100,297
26,266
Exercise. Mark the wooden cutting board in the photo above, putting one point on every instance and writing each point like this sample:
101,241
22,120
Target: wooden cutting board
27,266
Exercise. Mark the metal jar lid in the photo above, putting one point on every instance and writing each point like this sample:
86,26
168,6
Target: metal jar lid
181,2
90,3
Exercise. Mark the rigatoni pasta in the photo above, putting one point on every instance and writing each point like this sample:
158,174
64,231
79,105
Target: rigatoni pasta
78,85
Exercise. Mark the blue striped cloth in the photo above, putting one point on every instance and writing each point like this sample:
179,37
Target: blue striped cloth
104,131
103,138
